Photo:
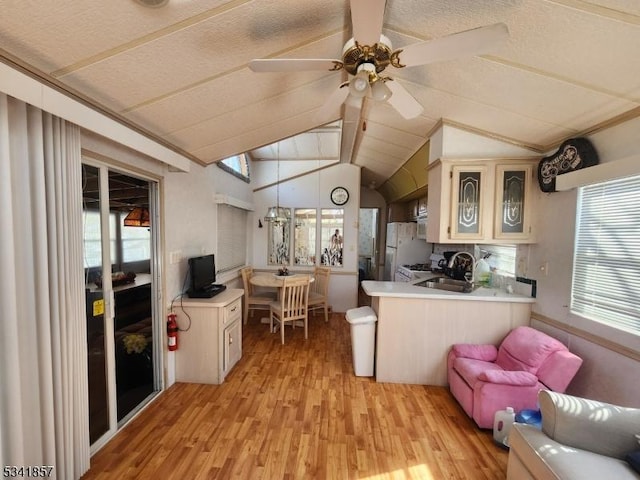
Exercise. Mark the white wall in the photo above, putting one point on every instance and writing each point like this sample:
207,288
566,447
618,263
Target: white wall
313,191
191,217
189,210
605,374
451,142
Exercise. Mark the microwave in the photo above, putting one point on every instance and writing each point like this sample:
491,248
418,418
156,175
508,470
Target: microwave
421,227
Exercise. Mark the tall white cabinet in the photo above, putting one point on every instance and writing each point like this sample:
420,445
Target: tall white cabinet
212,342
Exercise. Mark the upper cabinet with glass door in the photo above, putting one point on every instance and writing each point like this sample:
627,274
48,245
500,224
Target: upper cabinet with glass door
513,202
480,201
469,199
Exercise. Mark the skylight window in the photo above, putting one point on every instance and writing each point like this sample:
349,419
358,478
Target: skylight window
237,165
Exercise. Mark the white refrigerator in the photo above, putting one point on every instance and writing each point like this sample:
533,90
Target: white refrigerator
403,248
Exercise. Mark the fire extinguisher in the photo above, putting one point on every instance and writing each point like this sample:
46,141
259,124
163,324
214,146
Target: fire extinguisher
172,332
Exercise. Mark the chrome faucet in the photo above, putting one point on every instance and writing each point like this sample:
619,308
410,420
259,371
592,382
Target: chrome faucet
452,262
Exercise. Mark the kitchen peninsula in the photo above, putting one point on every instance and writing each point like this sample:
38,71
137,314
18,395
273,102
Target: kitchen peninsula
417,326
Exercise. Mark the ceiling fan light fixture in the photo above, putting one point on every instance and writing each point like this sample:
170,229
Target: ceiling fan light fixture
359,85
153,3
379,91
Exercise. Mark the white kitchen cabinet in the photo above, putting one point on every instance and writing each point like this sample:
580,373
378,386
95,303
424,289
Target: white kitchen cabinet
210,340
480,201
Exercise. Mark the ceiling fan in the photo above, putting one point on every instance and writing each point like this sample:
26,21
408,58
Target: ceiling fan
369,53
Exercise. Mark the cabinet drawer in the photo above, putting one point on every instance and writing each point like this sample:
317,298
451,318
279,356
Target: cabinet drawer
232,312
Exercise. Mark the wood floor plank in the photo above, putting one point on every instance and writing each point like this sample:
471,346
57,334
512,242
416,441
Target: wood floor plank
297,411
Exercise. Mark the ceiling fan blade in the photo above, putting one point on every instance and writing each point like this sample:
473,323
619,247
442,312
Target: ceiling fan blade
337,98
402,101
366,19
294,64
468,43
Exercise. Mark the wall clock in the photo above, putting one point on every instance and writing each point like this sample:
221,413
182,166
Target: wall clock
339,195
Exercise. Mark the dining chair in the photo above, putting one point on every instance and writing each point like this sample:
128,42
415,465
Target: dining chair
319,295
254,300
292,304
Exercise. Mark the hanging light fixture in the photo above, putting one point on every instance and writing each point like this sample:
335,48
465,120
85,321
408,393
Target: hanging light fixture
359,85
138,217
277,214
379,91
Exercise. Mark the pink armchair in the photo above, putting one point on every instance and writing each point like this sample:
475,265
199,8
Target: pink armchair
485,379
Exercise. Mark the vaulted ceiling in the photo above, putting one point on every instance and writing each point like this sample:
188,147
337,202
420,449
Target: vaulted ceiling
180,72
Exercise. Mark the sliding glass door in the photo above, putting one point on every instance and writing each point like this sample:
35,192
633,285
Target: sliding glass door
121,296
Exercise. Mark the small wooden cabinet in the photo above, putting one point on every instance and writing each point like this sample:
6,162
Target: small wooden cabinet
212,341
481,201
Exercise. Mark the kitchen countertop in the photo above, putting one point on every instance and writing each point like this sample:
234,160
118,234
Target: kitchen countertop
410,290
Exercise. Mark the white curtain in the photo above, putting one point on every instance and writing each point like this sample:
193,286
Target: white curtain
43,359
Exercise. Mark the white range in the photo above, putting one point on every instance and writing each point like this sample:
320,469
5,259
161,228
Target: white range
408,273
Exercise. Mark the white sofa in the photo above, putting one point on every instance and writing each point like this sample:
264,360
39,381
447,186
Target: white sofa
580,439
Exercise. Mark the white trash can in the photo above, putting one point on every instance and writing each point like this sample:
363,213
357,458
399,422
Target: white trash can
363,339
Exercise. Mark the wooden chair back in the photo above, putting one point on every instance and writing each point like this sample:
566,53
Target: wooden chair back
321,283
247,273
294,298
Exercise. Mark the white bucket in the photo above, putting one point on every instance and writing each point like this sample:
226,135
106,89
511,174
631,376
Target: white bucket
502,425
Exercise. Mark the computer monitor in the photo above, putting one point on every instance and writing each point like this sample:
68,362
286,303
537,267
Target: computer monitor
202,271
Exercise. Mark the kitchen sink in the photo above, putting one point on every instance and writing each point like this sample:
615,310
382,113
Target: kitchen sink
449,284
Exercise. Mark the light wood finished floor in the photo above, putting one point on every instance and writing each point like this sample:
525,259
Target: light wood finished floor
296,411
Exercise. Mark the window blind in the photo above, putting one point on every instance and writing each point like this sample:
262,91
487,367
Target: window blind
606,267
232,238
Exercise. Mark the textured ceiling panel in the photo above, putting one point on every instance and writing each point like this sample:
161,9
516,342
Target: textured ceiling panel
552,39
181,71
629,6
513,90
253,116
384,148
255,138
63,32
392,135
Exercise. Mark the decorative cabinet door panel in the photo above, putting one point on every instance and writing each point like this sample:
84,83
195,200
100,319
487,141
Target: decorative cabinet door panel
468,202
513,196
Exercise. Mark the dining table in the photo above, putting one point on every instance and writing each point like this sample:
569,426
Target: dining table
273,280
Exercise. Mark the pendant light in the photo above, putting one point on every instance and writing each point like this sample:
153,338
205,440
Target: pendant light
277,214
138,217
